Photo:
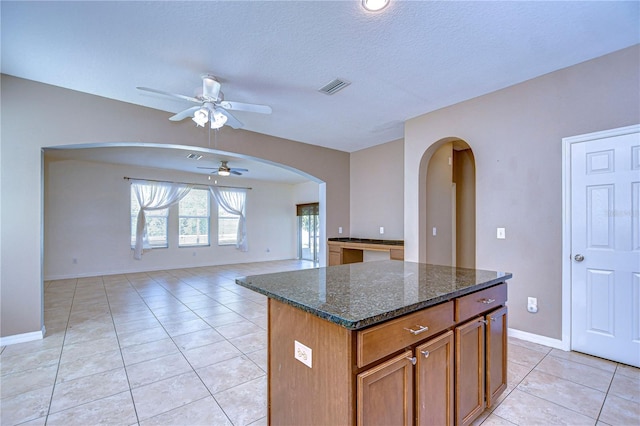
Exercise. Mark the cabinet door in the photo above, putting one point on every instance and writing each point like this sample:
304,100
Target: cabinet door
385,393
470,371
335,258
434,381
496,354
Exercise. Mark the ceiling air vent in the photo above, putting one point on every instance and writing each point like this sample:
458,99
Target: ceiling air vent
333,86
194,156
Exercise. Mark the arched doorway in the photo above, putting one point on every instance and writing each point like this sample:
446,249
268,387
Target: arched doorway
448,204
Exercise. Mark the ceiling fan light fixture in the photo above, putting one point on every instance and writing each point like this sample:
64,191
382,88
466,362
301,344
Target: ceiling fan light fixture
224,173
374,5
218,119
200,117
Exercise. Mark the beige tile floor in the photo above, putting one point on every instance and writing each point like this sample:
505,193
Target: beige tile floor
188,347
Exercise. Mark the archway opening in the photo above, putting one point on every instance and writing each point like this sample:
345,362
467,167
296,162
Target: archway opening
448,205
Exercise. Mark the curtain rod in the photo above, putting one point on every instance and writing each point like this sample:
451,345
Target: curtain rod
188,183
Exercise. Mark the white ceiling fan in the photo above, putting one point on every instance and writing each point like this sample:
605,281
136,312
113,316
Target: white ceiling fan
211,105
225,170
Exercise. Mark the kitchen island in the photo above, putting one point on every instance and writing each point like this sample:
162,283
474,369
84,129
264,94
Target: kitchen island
386,342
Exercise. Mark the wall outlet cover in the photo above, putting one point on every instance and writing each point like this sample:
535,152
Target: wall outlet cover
303,353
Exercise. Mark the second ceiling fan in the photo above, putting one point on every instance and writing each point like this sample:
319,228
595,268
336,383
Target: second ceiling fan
225,170
211,108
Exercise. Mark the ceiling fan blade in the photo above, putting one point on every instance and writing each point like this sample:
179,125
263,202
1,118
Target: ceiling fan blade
233,172
240,106
173,95
184,114
210,168
231,120
235,169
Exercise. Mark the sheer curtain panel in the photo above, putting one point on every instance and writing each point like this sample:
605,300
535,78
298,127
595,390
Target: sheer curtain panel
233,201
154,196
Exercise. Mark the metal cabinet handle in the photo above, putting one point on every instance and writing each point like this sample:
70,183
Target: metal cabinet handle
412,359
421,329
426,354
579,258
487,301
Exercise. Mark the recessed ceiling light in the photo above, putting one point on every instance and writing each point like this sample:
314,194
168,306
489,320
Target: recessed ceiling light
374,5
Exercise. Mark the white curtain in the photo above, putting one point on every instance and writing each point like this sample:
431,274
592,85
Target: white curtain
233,201
154,196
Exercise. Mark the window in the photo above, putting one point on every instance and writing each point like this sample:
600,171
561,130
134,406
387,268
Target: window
156,224
227,227
194,219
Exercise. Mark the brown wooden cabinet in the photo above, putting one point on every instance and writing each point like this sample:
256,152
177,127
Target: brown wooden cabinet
385,393
481,364
496,354
441,365
434,381
470,371
345,252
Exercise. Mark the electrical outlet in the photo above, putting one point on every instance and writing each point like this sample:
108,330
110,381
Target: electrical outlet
302,353
435,231
532,304
339,229
382,229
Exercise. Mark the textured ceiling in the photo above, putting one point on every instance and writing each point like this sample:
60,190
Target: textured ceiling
410,59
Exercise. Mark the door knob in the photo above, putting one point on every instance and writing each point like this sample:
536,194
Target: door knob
579,258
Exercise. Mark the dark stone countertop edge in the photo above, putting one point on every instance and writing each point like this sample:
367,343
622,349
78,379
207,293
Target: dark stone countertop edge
355,325
368,241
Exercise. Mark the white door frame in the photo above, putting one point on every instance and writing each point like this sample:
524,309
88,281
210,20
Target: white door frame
566,220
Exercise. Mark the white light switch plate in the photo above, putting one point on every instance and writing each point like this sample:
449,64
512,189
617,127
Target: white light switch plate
501,234
302,353
382,229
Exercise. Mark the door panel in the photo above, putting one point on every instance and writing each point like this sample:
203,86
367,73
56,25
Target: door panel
385,393
434,381
605,231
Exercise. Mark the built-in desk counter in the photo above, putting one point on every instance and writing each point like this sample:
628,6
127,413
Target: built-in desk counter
379,342
343,251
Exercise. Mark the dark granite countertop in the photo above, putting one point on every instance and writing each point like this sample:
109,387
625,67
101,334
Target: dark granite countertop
358,295
368,241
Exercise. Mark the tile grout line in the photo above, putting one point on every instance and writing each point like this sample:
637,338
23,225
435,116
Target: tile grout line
124,365
606,395
53,390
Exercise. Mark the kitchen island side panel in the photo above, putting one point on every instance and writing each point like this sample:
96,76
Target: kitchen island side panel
327,384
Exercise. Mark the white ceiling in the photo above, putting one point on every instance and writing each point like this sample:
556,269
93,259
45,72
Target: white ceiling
410,59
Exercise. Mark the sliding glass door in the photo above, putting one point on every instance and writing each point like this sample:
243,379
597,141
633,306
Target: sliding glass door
308,231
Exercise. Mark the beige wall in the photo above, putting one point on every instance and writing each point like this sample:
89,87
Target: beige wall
438,206
36,115
464,176
377,198
516,136
87,207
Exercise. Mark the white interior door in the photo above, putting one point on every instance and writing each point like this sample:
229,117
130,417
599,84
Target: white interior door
605,247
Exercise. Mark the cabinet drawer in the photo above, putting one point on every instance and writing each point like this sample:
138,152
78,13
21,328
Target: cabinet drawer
335,248
384,339
479,302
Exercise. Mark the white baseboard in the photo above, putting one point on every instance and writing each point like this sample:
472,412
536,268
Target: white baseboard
536,338
21,338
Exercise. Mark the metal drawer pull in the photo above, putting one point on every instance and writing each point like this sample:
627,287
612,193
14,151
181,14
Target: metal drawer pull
487,301
426,354
412,359
421,329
